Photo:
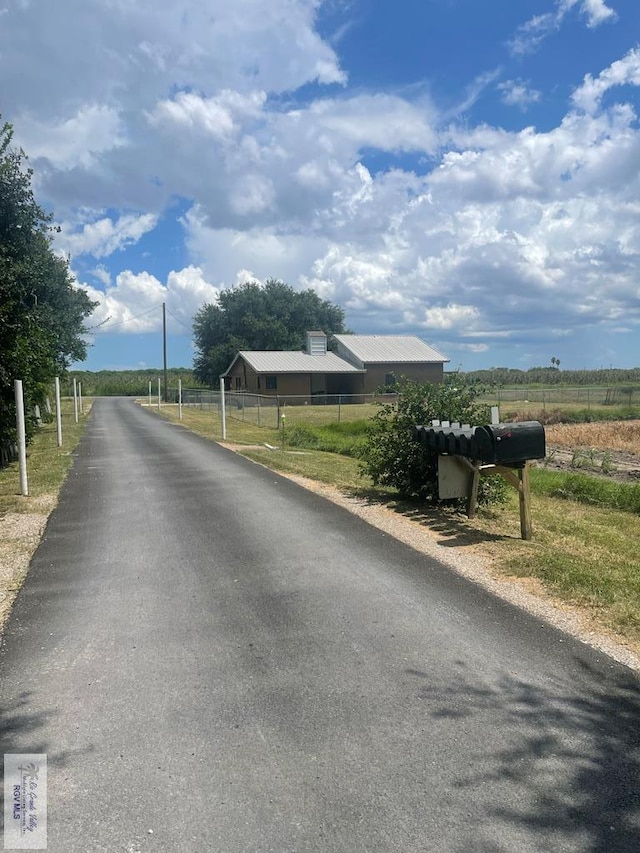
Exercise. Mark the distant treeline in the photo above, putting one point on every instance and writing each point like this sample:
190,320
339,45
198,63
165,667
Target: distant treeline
127,383
508,376
135,383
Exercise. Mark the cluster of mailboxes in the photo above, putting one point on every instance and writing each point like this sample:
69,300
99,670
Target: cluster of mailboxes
510,445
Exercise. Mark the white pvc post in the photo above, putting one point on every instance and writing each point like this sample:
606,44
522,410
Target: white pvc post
180,398
75,398
22,440
223,411
495,415
149,393
80,396
58,414
158,393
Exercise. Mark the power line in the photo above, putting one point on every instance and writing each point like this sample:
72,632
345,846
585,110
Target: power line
129,320
178,320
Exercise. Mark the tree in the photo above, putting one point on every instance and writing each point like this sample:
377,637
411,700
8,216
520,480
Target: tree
253,317
393,457
42,313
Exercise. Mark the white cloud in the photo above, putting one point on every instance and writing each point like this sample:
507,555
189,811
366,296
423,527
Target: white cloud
75,141
133,304
103,237
518,93
530,35
625,71
488,235
596,11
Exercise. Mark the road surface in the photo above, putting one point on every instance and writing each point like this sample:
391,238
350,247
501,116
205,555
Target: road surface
214,659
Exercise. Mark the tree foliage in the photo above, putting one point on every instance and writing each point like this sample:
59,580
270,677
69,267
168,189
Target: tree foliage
392,456
253,317
41,312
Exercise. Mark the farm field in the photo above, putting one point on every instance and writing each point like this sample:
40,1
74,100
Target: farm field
609,448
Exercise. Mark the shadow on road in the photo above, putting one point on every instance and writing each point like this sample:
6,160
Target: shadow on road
577,756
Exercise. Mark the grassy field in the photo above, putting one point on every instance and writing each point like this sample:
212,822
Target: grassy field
583,554
623,435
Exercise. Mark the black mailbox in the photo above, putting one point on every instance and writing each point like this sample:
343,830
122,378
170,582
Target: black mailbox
513,444
499,444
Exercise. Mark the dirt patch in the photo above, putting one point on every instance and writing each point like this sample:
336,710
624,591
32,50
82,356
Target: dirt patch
21,534
618,465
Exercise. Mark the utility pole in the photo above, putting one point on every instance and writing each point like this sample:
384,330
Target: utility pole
164,348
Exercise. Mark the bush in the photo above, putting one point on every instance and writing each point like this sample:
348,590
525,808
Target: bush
392,457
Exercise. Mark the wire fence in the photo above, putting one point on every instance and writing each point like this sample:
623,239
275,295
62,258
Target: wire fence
267,411
587,397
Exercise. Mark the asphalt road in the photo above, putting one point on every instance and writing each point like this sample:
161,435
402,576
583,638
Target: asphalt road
214,659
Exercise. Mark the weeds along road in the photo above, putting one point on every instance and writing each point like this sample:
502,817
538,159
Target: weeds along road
214,659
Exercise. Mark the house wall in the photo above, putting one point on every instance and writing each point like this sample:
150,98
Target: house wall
376,374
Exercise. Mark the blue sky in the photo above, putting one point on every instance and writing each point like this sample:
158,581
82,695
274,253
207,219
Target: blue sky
465,171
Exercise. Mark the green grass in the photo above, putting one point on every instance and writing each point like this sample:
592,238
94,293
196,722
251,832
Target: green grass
340,471
585,555
345,438
47,464
586,489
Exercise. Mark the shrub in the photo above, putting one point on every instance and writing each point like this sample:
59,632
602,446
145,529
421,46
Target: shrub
391,456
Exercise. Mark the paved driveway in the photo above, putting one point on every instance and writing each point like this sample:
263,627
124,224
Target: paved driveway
214,659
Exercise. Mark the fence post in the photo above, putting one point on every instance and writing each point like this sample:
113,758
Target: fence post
180,398
75,399
158,393
149,393
224,411
58,414
22,441
80,397
339,406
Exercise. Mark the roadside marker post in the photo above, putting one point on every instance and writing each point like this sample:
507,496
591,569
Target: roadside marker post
223,412
22,440
58,414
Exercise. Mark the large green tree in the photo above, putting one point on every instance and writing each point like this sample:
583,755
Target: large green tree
42,313
256,317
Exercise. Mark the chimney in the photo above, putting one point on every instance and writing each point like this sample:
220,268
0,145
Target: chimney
316,343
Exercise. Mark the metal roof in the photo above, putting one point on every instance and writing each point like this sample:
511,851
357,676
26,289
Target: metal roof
371,349
294,362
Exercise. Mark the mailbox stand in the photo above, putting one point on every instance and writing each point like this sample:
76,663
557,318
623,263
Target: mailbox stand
516,477
504,449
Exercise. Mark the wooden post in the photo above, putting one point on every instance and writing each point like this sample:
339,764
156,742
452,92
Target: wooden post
472,503
524,490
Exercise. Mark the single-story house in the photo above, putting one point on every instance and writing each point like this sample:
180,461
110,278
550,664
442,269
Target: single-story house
361,365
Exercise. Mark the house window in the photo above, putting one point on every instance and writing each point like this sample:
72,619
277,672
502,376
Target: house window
259,383
389,380
238,383
271,383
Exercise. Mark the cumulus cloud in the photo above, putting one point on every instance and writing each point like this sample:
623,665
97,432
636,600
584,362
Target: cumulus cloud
625,71
103,237
476,234
133,304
